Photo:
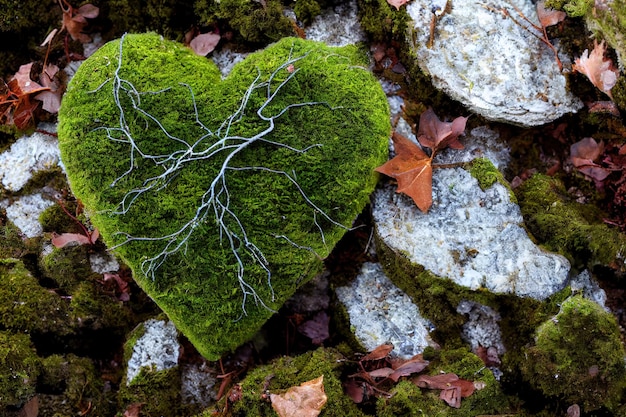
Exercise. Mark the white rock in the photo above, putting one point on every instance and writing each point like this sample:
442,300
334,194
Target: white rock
28,155
585,283
470,236
337,26
103,262
157,348
24,212
199,384
489,63
380,312
481,328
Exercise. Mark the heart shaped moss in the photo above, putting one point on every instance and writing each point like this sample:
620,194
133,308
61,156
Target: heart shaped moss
223,196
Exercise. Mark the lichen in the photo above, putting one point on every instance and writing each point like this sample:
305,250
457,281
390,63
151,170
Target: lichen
578,356
575,230
199,288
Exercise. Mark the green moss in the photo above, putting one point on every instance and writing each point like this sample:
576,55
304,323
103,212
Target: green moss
19,368
158,391
409,400
67,266
381,21
93,309
12,244
25,306
170,18
307,10
287,372
572,229
578,356
69,384
255,22
198,287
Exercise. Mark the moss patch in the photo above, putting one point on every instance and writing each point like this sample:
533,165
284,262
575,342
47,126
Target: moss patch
19,368
578,356
199,287
572,229
288,372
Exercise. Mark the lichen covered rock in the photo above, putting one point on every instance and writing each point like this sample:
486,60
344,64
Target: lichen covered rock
222,196
488,62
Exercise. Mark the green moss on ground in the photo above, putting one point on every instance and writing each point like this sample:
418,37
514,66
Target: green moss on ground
69,385
288,372
25,306
157,391
198,287
67,266
409,400
575,230
254,21
19,368
578,356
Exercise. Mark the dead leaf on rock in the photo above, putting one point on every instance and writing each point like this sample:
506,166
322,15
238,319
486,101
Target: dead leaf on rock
381,352
305,400
412,167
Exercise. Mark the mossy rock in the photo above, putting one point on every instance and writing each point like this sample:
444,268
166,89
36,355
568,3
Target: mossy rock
575,230
25,306
578,356
291,194
288,372
19,368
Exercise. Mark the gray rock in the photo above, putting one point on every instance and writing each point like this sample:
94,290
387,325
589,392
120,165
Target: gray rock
489,63
380,312
337,26
589,287
470,236
24,212
157,349
481,328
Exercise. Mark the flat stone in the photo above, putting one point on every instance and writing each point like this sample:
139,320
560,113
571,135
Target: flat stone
380,312
471,236
157,349
489,63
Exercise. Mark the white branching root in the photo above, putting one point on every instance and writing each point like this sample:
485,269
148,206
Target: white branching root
210,145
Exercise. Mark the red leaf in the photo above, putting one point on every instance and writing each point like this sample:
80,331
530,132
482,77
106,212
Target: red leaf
435,134
582,155
452,396
316,329
441,381
204,43
600,72
408,368
549,17
65,239
397,3
355,390
412,168
380,352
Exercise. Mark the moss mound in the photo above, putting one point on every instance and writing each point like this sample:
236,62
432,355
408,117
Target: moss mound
299,169
578,356
19,368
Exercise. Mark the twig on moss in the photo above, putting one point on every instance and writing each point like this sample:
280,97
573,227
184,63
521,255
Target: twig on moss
209,146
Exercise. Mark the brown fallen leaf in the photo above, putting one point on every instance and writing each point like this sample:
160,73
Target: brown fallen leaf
133,410
305,400
51,98
601,72
410,367
75,20
583,154
452,396
64,239
411,166
381,352
549,17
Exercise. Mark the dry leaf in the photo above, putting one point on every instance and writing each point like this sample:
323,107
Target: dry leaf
204,43
410,367
316,329
305,400
583,154
380,352
65,239
51,99
412,168
31,408
452,396
437,135
133,410
75,20
441,381
397,3
549,17
600,72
